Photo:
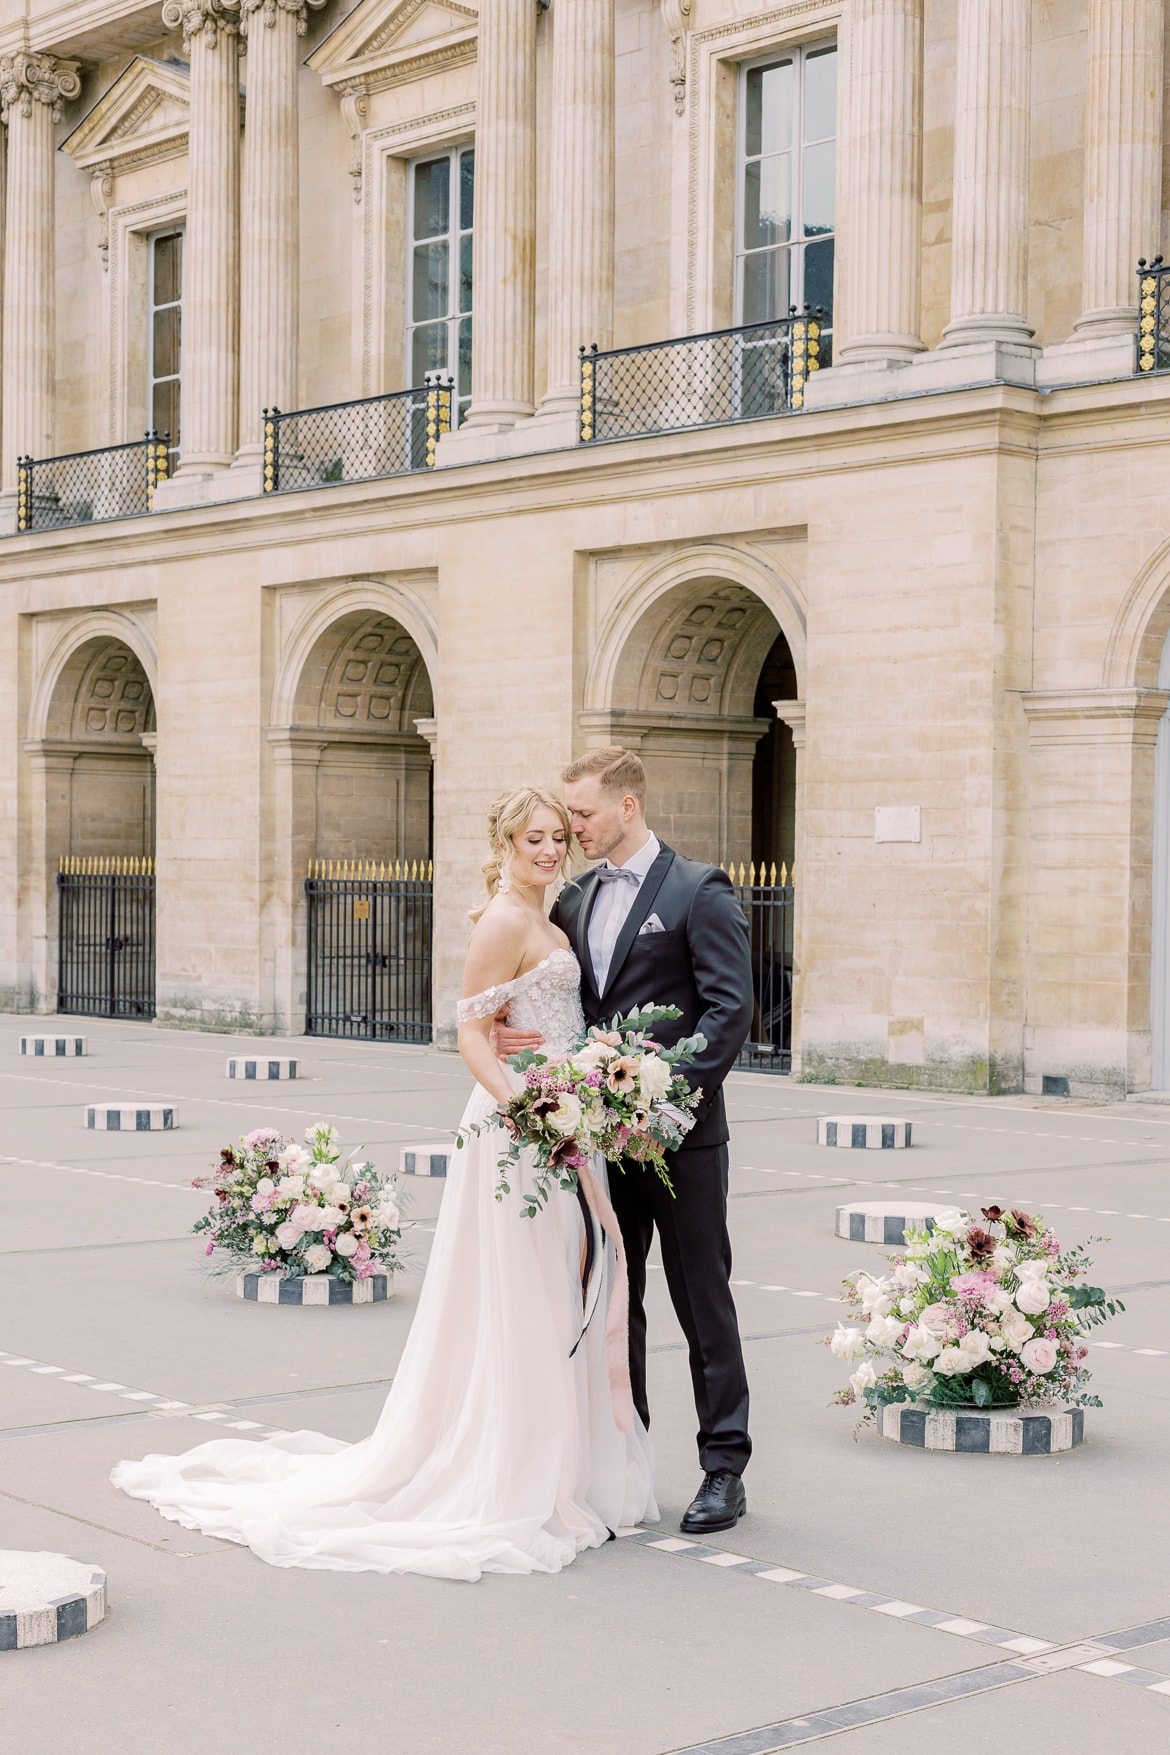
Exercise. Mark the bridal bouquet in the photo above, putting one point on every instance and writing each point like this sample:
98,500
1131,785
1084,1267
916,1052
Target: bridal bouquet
296,1209
618,1092
990,1315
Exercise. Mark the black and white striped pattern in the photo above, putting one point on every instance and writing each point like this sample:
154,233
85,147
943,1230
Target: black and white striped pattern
54,1045
426,1160
315,1289
128,1118
863,1132
875,1221
999,1431
255,1067
74,1600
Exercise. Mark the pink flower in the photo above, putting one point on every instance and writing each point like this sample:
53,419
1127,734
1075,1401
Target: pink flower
261,1136
209,1249
1039,1355
974,1285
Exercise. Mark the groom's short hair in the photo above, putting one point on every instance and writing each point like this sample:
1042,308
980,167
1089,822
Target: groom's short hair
619,771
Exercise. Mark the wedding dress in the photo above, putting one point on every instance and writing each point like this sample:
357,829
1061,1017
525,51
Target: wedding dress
497,1449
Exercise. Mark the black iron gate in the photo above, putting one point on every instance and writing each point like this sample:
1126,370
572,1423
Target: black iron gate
105,937
370,949
768,905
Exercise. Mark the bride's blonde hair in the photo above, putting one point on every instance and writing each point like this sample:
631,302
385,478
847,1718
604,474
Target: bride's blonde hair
510,815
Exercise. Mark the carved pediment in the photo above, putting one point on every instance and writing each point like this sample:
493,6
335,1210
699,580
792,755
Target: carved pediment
141,119
385,42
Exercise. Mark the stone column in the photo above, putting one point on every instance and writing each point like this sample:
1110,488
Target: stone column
211,257
794,714
270,214
505,214
1123,160
31,90
989,251
878,303
581,152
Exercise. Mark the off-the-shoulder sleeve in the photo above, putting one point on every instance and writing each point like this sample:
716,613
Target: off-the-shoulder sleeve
485,1004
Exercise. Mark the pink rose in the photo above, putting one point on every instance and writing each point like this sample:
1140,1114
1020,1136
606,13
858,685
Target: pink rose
1039,1355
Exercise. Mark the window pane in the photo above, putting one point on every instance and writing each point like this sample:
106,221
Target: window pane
466,189
765,286
464,383
820,95
767,202
432,198
769,108
820,171
168,269
428,351
430,282
818,274
165,358
465,273
164,411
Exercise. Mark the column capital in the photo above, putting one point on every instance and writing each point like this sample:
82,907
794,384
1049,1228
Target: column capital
208,19
25,78
268,9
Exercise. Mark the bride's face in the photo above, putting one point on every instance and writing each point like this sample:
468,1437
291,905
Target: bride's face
540,849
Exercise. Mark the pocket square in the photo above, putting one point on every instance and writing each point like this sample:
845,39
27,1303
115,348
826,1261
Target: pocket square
651,924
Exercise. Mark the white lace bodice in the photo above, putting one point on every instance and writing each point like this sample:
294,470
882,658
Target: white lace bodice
547,998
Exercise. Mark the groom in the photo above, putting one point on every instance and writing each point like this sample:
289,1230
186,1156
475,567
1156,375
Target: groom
649,926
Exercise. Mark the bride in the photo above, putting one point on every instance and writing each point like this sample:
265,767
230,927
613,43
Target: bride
502,1446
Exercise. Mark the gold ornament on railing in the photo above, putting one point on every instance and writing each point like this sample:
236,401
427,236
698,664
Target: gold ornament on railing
438,418
270,417
588,385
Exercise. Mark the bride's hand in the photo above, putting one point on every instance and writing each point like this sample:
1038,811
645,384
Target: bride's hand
506,1041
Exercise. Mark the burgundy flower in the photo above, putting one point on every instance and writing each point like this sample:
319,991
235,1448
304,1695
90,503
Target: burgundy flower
992,1213
980,1243
227,1158
272,1167
564,1152
544,1106
1023,1223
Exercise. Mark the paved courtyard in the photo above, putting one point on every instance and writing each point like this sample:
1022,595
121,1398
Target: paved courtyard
893,1599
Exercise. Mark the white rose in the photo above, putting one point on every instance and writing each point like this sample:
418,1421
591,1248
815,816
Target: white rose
875,1298
975,1347
1032,1270
266,1186
596,1120
347,1244
1034,1296
328,1218
295,1161
951,1362
907,1306
1000,1301
883,1331
317,1258
864,1377
906,1276
921,1344
1016,1329
288,1235
339,1192
290,1188
997,1343
1003,1258
566,1117
847,1343
914,1376
654,1078
306,1216
387,1214
950,1220
1039,1355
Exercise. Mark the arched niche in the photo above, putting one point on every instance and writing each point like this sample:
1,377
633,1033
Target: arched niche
98,740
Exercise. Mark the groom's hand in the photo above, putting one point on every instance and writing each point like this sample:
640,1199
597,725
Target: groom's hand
506,1041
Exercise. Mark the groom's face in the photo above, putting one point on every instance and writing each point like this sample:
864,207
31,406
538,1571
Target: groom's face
601,820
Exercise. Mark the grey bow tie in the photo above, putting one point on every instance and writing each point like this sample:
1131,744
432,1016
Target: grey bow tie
612,874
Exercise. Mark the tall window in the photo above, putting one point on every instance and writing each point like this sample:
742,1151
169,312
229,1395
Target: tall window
788,164
165,355
438,291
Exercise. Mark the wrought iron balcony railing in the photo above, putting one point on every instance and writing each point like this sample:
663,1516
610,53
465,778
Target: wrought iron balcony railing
90,487
701,380
356,441
1153,353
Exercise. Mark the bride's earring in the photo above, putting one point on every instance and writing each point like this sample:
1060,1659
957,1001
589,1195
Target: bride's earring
505,883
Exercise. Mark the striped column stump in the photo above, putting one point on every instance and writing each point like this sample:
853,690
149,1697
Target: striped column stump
45,1598
54,1045
999,1431
884,1221
313,1289
129,1118
426,1160
260,1067
863,1132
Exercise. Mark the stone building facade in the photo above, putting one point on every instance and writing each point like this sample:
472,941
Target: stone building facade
901,620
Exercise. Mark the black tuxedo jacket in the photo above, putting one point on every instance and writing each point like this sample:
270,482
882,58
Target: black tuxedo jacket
699,962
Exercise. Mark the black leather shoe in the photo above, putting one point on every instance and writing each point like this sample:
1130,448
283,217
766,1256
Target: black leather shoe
718,1505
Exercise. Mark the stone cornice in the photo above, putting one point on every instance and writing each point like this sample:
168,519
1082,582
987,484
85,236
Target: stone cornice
1077,716
209,19
26,78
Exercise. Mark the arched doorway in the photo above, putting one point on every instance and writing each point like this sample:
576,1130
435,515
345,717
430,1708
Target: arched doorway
692,690
96,765
355,778
1160,901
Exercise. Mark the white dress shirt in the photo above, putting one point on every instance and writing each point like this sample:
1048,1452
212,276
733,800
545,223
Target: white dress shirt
612,907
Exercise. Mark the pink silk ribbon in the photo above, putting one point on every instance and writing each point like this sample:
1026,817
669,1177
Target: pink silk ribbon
617,1320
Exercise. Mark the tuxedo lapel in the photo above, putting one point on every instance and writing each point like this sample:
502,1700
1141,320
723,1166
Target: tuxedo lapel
587,886
636,918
